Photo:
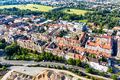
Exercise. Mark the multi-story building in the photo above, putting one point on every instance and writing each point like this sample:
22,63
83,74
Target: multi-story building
33,45
101,44
54,49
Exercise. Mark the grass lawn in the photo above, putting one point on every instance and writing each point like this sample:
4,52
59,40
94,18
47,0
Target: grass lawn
84,21
33,7
75,11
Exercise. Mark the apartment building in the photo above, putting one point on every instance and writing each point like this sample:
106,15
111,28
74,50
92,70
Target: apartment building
32,45
101,45
54,49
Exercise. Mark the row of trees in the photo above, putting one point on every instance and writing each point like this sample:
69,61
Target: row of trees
19,12
15,52
100,17
104,18
11,49
54,15
76,62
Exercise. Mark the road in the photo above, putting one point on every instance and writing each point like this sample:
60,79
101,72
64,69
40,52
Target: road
26,63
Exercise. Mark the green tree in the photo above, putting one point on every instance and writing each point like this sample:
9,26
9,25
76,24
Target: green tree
110,69
114,77
2,45
71,61
78,62
11,49
89,70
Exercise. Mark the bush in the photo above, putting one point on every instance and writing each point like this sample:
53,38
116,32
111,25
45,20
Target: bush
89,70
110,69
114,77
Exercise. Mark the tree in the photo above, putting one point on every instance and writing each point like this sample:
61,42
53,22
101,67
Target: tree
11,49
68,10
89,70
114,77
103,59
60,59
104,18
63,67
2,45
110,69
62,33
3,41
71,61
78,62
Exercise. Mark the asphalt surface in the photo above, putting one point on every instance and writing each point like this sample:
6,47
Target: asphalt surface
27,63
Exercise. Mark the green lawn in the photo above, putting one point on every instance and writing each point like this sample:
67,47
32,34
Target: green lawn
75,11
33,7
84,21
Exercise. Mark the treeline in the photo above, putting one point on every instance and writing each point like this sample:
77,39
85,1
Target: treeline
18,12
54,15
104,18
3,44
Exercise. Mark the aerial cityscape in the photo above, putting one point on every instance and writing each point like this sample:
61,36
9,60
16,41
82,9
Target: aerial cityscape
59,39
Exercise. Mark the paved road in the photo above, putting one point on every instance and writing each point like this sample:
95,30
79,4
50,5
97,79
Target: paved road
26,63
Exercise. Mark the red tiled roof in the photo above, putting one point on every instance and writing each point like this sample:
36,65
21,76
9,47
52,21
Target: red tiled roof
106,36
106,46
99,43
78,56
81,49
